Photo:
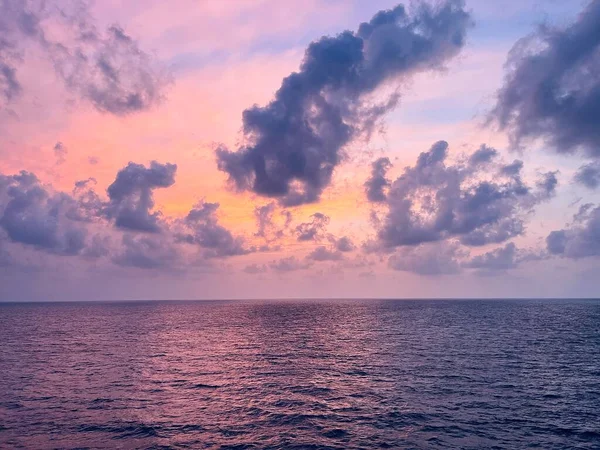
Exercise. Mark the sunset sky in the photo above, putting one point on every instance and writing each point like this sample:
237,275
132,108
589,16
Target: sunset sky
237,149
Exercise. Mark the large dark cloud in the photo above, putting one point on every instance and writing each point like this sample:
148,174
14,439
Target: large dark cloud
34,215
552,86
107,68
581,239
477,204
131,199
202,228
296,141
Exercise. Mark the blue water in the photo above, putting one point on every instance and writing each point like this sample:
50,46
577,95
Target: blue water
330,374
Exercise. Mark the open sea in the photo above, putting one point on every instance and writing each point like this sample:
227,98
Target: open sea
301,374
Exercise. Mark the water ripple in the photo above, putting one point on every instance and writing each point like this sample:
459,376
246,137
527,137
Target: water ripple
301,375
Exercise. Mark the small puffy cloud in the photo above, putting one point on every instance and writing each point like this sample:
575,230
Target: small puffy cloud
264,218
428,259
502,258
89,206
267,227
146,252
255,269
482,156
322,253
60,151
546,185
581,239
377,183
289,264
588,175
344,244
512,169
131,199
313,230
202,228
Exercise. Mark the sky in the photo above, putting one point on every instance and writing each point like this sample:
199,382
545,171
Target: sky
323,148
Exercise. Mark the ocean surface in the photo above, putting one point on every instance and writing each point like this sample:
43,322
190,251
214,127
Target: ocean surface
301,374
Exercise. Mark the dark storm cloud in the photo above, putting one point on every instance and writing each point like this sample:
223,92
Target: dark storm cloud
588,175
131,199
428,259
33,215
107,68
581,239
295,142
435,200
377,183
313,230
552,86
202,228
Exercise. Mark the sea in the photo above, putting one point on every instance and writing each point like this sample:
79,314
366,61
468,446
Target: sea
301,374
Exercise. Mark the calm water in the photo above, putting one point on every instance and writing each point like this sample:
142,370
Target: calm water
352,374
